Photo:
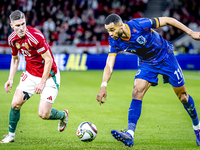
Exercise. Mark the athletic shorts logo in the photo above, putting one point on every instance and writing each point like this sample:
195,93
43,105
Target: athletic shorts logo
180,81
138,72
50,98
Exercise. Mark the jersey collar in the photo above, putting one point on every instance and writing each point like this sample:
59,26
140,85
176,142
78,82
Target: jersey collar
129,31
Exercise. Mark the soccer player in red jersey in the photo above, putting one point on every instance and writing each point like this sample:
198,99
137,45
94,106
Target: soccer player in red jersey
41,76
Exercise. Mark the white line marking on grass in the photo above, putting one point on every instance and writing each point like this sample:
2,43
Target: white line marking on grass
192,77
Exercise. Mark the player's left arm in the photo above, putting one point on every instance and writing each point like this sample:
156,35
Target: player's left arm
48,61
173,22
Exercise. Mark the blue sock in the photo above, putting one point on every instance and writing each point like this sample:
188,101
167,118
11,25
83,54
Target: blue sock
134,113
190,108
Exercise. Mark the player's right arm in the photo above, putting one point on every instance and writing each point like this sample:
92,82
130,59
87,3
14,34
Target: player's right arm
173,22
106,77
13,69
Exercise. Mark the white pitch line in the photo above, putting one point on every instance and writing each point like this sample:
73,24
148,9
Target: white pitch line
192,77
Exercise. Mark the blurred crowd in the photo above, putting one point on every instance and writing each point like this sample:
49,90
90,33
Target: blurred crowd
185,11
67,22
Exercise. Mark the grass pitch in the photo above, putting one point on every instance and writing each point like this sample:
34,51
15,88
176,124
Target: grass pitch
163,125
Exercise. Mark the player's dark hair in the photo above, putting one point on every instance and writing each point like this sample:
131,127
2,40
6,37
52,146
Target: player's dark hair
113,18
16,15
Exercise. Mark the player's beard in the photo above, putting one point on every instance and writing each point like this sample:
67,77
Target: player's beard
119,35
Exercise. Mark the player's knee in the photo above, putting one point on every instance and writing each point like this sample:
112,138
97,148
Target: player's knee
16,105
43,115
183,98
137,93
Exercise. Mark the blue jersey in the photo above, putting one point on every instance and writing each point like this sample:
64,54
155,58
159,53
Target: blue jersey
144,42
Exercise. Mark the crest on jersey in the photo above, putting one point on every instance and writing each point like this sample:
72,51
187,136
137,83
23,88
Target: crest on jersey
26,45
141,40
17,45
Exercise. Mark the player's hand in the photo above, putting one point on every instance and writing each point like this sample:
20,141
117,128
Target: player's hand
102,94
195,35
7,84
39,88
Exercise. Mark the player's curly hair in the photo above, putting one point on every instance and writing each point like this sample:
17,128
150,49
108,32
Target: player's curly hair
113,18
16,15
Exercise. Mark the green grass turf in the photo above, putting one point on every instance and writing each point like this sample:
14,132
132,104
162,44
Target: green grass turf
163,125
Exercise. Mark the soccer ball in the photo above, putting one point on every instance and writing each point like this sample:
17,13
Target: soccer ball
86,131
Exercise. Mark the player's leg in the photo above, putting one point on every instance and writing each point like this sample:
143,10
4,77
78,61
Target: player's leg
140,88
189,106
48,97
174,75
24,91
19,98
45,110
145,77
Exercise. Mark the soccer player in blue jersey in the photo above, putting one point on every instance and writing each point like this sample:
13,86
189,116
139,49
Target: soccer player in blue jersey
155,57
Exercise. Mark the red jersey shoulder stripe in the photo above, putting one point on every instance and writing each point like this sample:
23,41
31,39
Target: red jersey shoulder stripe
12,35
40,34
29,42
10,38
31,37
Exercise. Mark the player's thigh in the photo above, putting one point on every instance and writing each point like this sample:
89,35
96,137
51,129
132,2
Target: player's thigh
141,84
18,99
140,88
47,99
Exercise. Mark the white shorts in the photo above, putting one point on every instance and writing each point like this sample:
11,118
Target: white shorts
50,91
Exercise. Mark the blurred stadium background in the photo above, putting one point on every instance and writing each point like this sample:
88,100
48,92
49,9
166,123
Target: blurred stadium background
76,34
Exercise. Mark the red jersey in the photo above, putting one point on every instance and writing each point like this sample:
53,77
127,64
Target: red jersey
32,45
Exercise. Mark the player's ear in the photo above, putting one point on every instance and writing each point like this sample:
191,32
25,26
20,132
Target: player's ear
121,24
11,25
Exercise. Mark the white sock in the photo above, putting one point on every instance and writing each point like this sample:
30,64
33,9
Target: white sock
131,133
196,127
11,134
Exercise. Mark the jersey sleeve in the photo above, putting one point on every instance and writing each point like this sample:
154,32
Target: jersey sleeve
42,47
146,24
14,50
112,48
155,23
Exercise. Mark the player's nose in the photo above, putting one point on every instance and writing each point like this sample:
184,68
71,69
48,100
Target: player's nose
21,27
110,33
